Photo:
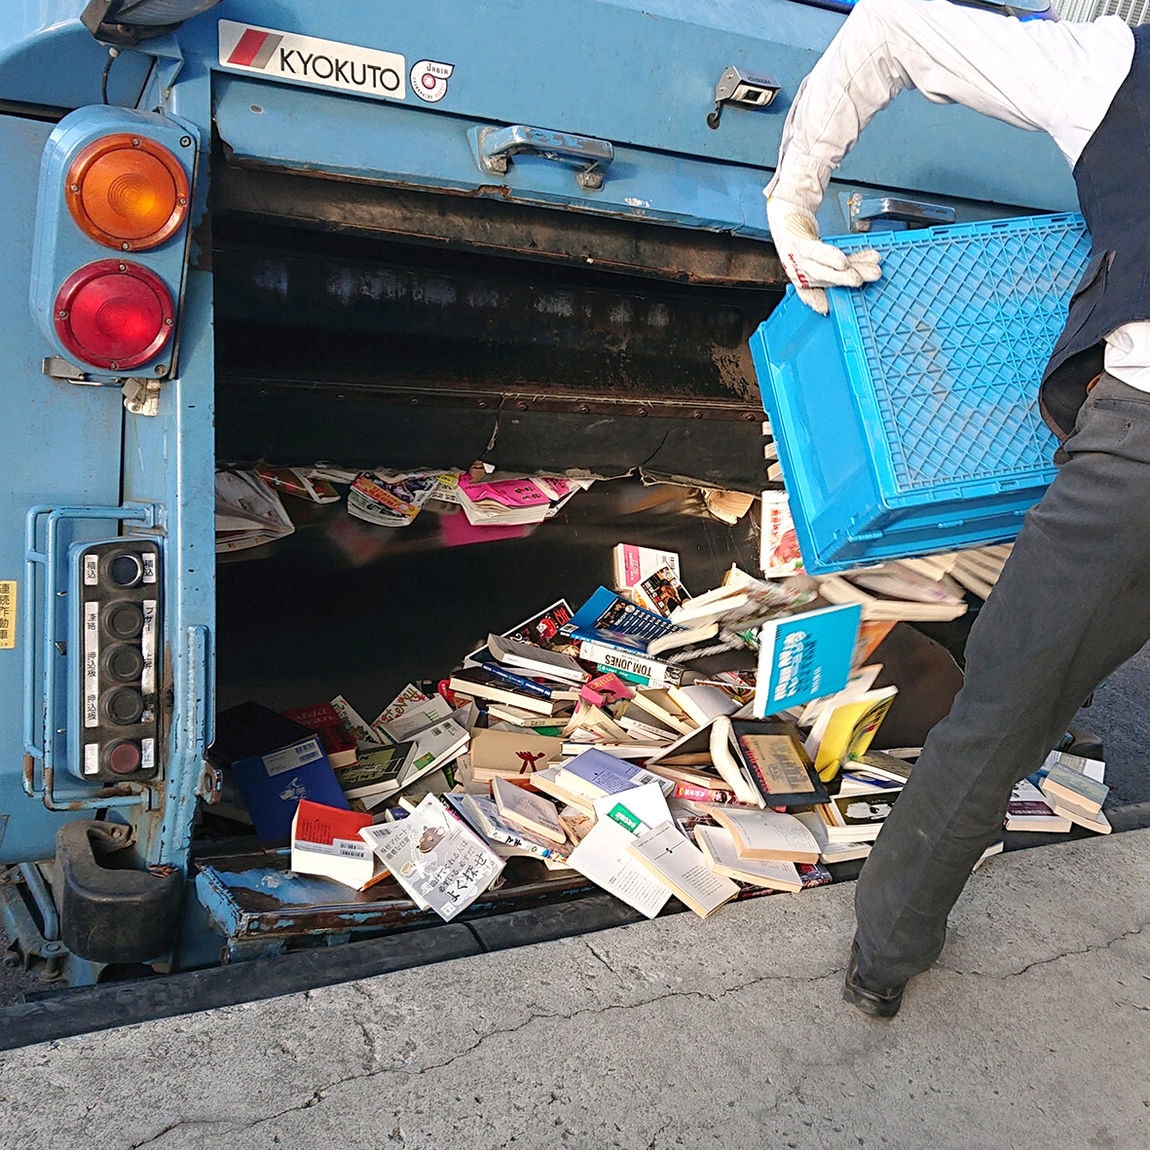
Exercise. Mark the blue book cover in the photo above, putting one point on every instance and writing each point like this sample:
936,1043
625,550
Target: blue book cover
610,774
804,657
275,761
609,618
273,784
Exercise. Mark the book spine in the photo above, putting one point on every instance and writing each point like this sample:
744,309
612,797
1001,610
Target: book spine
509,838
630,665
521,682
698,794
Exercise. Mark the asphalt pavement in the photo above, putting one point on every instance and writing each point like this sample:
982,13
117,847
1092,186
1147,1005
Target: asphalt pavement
1032,1030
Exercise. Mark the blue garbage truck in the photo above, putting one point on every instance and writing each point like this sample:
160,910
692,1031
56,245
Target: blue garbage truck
373,235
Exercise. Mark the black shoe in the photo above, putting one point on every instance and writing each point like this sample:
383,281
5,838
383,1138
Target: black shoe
878,1002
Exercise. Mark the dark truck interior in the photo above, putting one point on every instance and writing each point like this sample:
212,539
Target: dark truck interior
377,329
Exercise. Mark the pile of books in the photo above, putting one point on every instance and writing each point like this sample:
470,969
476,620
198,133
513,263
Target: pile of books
1067,790
591,740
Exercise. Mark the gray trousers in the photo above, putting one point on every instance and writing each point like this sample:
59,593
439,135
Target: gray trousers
1072,604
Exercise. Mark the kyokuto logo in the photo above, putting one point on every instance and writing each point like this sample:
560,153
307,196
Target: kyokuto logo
306,60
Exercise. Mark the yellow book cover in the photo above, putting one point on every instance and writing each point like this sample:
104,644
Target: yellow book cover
851,728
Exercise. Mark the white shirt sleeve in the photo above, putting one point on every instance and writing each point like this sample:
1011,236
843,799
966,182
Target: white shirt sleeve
1041,75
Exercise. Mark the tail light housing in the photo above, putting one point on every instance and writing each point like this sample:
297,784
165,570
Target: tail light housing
112,235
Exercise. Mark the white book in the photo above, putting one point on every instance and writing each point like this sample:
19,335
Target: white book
603,857
765,834
536,660
436,857
410,711
433,747
667,854
718,847
703,702
831,852
526,809
634,566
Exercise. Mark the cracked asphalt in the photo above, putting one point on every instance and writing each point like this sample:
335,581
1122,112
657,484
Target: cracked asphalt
1033,1030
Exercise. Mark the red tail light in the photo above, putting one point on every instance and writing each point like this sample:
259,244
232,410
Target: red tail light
114,314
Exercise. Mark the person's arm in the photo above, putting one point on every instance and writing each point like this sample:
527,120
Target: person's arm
1040,75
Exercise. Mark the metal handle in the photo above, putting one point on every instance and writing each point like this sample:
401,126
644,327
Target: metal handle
864,213
494,148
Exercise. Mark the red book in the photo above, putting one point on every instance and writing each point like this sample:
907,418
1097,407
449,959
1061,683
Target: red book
326,841
337,741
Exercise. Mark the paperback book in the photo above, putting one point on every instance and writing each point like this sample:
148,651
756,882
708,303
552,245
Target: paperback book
326,841
526,809
668,855
770,835
608,618
804,656
718,847
603,855
857,818
436,857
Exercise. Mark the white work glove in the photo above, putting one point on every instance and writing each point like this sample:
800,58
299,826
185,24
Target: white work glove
810,264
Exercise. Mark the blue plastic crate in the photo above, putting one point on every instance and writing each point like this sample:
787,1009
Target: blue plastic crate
907,420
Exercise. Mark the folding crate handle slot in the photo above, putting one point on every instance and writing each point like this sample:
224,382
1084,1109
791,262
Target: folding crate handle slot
493,148
865,212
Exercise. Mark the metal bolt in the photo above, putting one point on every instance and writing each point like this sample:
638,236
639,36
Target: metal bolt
185,141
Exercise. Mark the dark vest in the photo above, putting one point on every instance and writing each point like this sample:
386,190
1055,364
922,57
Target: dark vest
1113,178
